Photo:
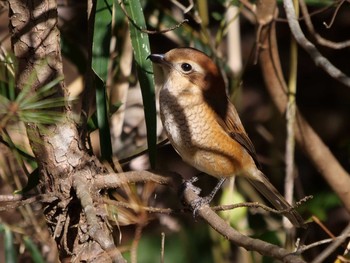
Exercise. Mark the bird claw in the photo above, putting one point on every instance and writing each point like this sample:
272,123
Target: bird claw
188,184
198,203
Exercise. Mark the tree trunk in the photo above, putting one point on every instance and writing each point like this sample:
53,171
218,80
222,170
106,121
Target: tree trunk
64,163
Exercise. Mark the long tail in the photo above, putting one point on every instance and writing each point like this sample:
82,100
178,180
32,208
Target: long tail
277,200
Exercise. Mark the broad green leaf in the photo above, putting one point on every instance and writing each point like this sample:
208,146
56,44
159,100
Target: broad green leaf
141,47
100,57
101,38
102,119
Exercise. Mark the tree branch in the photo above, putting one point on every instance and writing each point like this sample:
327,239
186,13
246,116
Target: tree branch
250,244
320,40
115,180
307,138
95,229
330,249
317,57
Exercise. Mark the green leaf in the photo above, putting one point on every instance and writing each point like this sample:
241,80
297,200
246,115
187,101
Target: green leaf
100,58
45,91
141,47
102,119
115,107
33,250
102,38
40,117
10,251
45,104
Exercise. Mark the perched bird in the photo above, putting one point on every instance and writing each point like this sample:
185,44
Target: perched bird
203,125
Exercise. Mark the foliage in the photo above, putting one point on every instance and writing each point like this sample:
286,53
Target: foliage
143,21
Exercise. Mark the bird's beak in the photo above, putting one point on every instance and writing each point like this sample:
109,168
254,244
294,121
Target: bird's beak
159,59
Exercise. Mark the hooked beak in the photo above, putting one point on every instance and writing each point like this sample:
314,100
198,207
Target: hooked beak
158,59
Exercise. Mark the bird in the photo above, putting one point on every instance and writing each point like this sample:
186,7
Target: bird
204,127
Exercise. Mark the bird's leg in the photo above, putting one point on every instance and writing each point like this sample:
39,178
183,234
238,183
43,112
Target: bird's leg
189,184
210,197
198,203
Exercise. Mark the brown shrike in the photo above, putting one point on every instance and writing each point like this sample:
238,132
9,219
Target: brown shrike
204,127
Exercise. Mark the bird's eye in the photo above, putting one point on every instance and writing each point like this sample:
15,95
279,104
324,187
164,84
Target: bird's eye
186,67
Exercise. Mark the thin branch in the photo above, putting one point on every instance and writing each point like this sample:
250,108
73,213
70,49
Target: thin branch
95,230
322,226
182,7
162,248
320,40
330,249
307,138
135,243
186,10
150,32
250,244
262,206
334,15
16,201
304,248
115,180
317,57
171,211
290,122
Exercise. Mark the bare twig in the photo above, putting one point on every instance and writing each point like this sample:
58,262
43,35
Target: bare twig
15,201
290,122
321,225
221,226
116,180
337,242
334,15
145,208
258,205
214,208
135,243
185,9
316,56
304,248
162,248
320,39
309,141
143,30
11,198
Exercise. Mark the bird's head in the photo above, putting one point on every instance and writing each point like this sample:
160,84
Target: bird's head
188,71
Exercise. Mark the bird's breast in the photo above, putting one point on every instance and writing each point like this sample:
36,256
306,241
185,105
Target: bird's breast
196,135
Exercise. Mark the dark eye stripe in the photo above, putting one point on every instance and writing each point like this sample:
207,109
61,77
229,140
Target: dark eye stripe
186,67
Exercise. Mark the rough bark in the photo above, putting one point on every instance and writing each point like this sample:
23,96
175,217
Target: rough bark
80,230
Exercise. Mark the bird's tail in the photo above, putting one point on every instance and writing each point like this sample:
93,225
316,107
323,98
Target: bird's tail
277,200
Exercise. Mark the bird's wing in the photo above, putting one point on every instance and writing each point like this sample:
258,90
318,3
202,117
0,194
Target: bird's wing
233,126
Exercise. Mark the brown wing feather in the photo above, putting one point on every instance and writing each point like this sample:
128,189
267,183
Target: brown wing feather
232,124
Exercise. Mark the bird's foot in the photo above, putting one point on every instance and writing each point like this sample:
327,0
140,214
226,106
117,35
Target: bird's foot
188,184
198,203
